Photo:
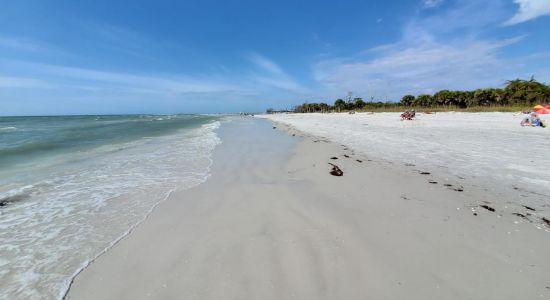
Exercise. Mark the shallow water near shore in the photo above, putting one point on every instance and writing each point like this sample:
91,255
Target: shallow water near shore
70,187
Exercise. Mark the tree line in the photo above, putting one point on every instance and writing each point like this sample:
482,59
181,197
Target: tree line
516,92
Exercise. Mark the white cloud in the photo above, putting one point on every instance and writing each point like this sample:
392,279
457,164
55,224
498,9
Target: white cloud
91,79
417,69
446,50
265,77
432,3
22,82
528,10
266,64
271,74
442,51
471,16
19,44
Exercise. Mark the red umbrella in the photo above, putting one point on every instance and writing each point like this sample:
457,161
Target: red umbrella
542,109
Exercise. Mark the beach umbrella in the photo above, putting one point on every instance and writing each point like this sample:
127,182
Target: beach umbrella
542,109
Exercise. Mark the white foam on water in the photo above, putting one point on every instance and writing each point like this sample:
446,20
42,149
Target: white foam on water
65,221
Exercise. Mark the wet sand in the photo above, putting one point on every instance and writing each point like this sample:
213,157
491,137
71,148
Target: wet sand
272,223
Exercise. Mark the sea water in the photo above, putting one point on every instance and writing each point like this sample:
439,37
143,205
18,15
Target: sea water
72,186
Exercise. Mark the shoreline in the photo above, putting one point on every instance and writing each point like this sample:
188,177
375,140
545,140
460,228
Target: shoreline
66,206
272,223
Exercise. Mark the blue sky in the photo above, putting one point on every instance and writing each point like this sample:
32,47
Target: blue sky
90,57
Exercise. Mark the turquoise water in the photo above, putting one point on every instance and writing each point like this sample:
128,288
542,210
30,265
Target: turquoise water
71,186
24,140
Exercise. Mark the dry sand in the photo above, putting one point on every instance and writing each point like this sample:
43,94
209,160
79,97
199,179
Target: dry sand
490,148
272,223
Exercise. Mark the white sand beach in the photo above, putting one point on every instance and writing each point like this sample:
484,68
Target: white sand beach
491,149
272,150
272,223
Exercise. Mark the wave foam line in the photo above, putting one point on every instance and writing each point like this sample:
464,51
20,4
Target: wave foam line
68,283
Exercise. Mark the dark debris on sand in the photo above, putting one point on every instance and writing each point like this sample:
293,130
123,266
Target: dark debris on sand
336,171
459,189
529,208
520,215
487,207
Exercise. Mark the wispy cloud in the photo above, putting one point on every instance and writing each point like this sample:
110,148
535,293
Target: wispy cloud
21,44
22,82
461,19
121,39
270,74
264,78
442,51
432,3
529,10
265,64
92,79
418,69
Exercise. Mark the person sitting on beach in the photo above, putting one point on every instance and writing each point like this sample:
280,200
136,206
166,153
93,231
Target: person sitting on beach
532,120
408,115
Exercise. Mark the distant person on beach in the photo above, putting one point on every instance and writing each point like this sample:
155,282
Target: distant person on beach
408,115
532,120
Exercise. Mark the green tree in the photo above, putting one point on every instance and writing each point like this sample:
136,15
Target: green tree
463,98
359,103
424,100
340,104
324,107
443,97
526,91
486,97
407,100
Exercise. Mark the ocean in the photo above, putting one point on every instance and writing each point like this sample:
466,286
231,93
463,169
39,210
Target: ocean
72,186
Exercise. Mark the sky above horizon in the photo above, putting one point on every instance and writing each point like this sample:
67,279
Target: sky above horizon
107,57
